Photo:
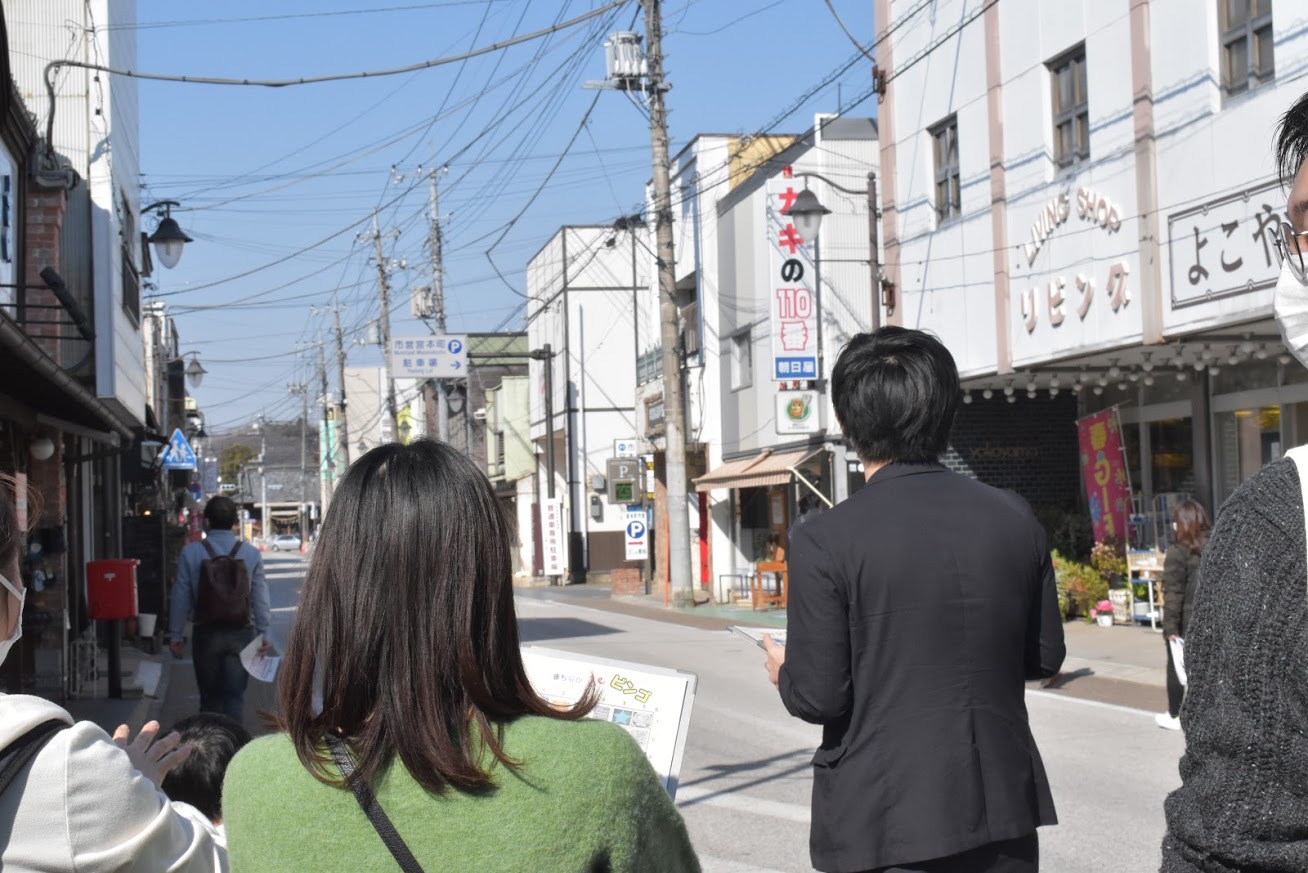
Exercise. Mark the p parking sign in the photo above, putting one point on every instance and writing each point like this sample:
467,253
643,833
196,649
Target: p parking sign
637,537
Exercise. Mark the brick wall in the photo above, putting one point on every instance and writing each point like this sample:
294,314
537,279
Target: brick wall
1028,446
44,222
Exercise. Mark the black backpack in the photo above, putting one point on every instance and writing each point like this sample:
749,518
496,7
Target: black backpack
223,593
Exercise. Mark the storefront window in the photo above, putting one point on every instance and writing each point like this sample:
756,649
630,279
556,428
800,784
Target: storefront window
1248,376
1172,455
1246,440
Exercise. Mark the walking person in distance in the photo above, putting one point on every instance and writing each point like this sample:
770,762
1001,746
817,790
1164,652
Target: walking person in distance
1180,582
403,692
918,609
222,588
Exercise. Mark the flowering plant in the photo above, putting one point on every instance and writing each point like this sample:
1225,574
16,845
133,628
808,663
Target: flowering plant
1103,607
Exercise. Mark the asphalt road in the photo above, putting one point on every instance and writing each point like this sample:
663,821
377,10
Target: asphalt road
745,778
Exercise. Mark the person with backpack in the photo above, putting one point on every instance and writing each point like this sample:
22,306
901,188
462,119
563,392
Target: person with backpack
221,588
71,796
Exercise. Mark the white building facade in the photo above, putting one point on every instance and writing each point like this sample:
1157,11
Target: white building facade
1079,199
763,315
584,288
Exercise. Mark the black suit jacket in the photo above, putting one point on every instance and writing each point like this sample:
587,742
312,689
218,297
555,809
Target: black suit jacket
918,608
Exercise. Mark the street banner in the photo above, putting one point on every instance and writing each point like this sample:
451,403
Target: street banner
210,476
791,279
429,357
652,704
552,545
1104,471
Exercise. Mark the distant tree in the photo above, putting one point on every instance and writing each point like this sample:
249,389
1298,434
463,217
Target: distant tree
231,459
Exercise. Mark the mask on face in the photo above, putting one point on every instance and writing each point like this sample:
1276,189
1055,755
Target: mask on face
1291,307
19,594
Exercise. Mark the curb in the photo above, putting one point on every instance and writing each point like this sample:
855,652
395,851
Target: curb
153,706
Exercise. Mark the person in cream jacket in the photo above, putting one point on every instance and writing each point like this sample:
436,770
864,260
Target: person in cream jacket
87,801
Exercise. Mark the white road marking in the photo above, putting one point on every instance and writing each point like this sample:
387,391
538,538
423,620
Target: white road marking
1049,695
693,795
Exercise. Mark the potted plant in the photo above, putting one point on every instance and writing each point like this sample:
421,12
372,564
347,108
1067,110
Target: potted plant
1102,612
1080,586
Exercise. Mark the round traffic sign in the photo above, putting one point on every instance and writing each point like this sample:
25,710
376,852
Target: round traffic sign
635,530
455,346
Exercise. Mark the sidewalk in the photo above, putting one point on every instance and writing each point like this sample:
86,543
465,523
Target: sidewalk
1121,665
146,678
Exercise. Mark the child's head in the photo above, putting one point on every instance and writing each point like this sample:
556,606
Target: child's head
214,739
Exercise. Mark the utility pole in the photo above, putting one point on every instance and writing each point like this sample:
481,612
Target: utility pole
384,295
327,450
679,575
340,374
438,299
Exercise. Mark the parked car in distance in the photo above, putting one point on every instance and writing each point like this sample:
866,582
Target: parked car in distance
285,543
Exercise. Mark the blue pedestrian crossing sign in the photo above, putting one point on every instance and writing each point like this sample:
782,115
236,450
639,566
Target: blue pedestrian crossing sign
178,455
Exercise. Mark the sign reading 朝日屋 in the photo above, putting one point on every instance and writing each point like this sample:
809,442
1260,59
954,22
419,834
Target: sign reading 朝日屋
790,281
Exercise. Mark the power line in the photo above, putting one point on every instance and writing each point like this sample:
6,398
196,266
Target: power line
195,22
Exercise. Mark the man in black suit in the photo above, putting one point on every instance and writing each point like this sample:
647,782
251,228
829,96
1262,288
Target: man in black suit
918,608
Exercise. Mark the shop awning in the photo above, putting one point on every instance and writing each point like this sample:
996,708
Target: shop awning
765,468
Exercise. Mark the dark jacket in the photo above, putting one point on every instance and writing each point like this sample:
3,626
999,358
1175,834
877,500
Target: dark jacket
1243,801
918,608
1180,578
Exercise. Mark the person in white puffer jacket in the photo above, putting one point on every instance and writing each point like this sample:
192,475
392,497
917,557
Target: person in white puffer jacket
87,801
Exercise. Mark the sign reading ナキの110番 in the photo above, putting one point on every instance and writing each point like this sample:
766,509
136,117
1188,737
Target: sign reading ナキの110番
790,281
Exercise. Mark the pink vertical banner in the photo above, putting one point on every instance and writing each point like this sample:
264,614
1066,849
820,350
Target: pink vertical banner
1103,469
194,526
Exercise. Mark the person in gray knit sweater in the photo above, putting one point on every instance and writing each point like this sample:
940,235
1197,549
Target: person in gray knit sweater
1243,802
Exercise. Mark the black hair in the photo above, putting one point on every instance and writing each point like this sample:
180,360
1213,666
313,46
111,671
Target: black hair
214,739
221,513
426,667
896,392
1292,141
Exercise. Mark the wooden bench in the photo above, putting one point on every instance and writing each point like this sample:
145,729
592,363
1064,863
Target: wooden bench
761,592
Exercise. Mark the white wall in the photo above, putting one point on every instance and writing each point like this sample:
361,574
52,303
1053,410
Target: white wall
1213,167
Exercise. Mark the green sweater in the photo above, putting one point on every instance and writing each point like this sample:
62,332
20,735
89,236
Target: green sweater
583,800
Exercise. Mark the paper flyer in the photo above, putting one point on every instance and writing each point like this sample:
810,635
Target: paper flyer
261,667
652,704
1178,657
755,634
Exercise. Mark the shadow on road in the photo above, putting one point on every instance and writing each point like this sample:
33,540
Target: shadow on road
532,630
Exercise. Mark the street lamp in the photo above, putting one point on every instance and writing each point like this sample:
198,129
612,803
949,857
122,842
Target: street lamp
168,238
806,214
195,372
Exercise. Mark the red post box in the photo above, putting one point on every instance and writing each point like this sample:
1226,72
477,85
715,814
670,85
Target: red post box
111,589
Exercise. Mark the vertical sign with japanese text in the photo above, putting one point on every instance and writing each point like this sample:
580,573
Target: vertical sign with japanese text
1103,469
791,280
552,539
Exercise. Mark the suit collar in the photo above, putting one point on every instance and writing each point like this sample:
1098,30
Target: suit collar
899,469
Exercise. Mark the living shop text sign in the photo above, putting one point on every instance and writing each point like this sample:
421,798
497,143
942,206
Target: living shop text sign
1066,294
791,279
1223,247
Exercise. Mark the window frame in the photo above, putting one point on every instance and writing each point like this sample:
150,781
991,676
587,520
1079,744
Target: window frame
131,274
742,359
1076,116
1246,33
948,199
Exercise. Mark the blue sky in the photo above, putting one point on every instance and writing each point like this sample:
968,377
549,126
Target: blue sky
265,175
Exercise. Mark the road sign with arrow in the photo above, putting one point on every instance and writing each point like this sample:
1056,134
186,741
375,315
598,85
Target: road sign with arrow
429,357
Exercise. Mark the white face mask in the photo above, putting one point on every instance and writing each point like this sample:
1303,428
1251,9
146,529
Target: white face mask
1291,307
19,594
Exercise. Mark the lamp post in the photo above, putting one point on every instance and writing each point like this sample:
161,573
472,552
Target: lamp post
168,238
807,212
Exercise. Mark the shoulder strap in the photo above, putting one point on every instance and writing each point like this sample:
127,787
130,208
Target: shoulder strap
22,750
208,547
235,549
371,808
1299,455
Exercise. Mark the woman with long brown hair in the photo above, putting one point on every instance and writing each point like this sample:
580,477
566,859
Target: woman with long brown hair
1180,579
403,691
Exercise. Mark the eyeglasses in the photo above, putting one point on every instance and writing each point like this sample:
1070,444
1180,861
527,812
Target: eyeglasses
1292,247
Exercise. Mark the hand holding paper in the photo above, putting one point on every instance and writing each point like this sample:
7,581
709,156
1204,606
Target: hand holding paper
258,660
